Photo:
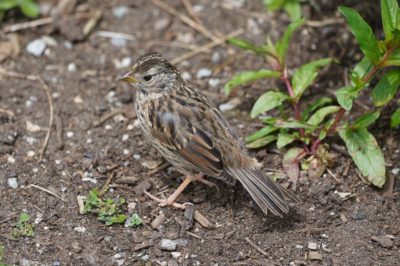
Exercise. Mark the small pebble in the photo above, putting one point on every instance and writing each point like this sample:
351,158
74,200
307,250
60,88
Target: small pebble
76,247
125,137
11,159
30,140
12,182
230,105
314,255
30,153
145,257
137,157
186,76
395,171
130,127
312,246
158,221
89,141
126,151
71,67
132,207
55,95
57,161
80,229
36,47
213,82
120,11
168,244
358,216
70,134
216,57
203,73
161,24
176,254
78,100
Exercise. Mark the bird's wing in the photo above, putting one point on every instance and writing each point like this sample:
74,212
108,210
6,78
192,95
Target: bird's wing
175,131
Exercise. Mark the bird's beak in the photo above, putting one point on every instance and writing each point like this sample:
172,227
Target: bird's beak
128,77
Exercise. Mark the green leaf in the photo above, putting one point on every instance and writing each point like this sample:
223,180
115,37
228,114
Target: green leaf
315,105
291,123
134,221
246,45
261,133
363,33
360,70
346,96
23,218
248,76
7,4
267,101
273,5
29,8
390,15
320,115
395,119
366,120
386,88
394,58
284,139
293,8
261,142
366,154
283,44
306,74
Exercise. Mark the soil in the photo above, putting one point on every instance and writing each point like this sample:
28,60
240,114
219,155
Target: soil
323,229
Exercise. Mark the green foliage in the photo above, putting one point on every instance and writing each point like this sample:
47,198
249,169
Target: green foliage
322,117
292,7
23,227
109,210
134,221
366,154
28,7
395,119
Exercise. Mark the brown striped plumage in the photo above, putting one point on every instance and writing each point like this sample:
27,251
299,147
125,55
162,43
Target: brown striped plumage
192,134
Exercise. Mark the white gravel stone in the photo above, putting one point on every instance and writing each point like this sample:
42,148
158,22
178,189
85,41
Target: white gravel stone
125,137
120,11
137,157
71,67
70,134
203,73
11,159
12,182
36,47
80,229
168,244
213,82
312,246
30,153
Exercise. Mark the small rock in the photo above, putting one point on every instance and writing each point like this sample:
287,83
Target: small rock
185,37
395,171
150,164
384,241
158,220
136,157
11,159
358,216
71,67
81,204
230,105
76,247
253,27
176,254
186,76
314,255
161,24
80,229
181,242
168,244
216,57
203,73
31,127
213,82
125,137
342,195
120,11
70,134
12,182
78,99
299,246
145,257
30,140
132,207
25,262
172,263
30,153
312,246
36,47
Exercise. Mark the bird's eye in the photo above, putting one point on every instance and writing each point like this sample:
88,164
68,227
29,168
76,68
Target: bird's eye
147,77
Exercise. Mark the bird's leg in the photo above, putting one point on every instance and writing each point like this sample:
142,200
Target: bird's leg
188,179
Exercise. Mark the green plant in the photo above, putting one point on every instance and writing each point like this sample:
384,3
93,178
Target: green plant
323,117
28,7
23,227
292,7
109,210
2,256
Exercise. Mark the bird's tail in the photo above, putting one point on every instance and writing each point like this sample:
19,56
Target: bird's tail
265,192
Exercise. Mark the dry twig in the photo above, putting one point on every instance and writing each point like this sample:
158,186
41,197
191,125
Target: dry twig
107,116
47,191
257,247
185,19
28,25
206,47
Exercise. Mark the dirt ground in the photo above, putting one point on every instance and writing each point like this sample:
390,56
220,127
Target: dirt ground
83,150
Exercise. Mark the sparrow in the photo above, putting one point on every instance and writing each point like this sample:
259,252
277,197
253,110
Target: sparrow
191,133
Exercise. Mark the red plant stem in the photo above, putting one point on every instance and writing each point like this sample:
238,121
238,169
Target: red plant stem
295,104
342,111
